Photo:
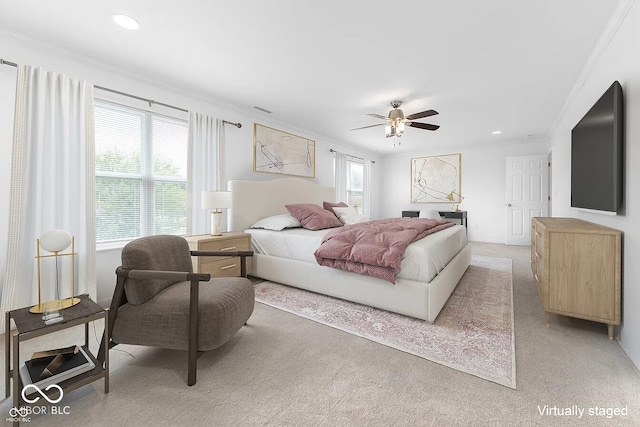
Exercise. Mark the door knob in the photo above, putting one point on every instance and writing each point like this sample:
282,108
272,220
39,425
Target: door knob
509,204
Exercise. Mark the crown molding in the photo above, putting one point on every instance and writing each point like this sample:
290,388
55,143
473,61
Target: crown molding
609,32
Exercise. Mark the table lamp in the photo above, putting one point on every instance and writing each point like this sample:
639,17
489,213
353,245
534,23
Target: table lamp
216,200
55,242
451,198
355,201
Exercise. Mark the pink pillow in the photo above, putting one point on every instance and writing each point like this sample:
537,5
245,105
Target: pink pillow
313,217
330,205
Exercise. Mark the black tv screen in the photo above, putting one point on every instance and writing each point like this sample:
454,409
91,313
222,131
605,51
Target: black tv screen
596,155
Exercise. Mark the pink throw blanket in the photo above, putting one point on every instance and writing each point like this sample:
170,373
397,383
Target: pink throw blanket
374,248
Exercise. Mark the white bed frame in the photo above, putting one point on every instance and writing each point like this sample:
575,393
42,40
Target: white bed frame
254,200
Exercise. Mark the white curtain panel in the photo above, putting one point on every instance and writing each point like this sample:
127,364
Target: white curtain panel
52,185
366,178
341,177
206,152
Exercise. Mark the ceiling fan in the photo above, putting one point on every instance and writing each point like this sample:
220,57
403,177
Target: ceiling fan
396,120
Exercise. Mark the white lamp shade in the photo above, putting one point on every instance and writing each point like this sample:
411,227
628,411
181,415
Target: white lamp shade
355,200
55,240
216,199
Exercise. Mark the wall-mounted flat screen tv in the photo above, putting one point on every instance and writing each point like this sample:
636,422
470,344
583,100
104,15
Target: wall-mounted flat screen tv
597,155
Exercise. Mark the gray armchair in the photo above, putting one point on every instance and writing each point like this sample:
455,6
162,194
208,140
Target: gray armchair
159,302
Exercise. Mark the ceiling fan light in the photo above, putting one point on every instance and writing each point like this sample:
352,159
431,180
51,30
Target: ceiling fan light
389,130
399,128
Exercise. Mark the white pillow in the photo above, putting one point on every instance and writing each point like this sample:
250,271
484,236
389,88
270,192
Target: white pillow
349,215
277,222
429,213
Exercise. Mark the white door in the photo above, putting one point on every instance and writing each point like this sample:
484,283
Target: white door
527,195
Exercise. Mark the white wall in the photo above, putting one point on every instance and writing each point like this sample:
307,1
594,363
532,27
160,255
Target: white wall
483,185
616,60
239,142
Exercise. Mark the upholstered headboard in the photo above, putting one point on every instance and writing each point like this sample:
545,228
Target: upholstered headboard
254,200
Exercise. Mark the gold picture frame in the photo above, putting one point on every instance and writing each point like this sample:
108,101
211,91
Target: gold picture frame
279,152
436,179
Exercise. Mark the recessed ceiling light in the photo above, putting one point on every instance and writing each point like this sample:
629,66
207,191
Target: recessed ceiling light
125,21
496,132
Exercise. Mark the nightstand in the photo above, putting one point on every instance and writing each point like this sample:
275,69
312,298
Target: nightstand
460,215
410,214
29,325
219,266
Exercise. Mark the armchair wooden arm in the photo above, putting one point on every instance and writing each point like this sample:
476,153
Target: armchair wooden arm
178,276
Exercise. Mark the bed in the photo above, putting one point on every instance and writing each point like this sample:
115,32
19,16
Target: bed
416,295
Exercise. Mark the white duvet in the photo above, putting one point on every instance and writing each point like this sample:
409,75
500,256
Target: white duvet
422,260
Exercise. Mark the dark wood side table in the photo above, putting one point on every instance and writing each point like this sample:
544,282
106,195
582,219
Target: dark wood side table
461,215
410,214
29,325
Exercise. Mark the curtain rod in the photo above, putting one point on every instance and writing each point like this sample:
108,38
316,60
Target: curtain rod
331,150
149,101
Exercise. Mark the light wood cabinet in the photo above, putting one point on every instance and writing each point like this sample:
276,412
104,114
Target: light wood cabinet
577,267
219,266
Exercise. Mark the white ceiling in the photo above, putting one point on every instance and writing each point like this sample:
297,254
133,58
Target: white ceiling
322,65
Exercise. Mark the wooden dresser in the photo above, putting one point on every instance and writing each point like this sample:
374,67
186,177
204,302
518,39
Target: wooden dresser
577,265
219,266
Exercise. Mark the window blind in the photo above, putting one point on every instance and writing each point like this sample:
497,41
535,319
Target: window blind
141,173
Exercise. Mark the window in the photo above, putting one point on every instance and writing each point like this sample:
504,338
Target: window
355,189
141,173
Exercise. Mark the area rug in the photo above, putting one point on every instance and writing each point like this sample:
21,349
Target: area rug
473,333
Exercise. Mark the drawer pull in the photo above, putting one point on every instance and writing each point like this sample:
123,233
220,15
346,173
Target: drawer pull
230,248
226,267
538,234
536,276
537,255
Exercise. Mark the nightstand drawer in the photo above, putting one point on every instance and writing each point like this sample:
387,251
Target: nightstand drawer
235,244
225,267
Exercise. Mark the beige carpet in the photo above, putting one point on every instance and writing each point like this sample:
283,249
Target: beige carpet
284,370
473,333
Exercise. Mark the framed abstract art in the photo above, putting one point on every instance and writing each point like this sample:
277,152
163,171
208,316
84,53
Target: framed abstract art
436,179
276,151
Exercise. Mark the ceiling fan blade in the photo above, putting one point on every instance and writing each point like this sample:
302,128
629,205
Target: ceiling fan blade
370,126
378,116
422,114
426,126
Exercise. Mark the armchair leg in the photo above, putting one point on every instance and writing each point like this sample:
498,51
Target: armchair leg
193,333
193,366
